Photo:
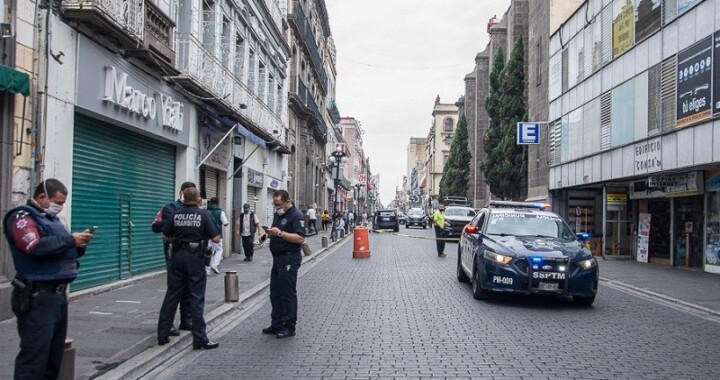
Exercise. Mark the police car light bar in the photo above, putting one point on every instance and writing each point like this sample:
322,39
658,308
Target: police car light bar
511,204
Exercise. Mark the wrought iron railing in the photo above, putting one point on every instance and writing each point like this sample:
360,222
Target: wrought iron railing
206,70
306,34
128,15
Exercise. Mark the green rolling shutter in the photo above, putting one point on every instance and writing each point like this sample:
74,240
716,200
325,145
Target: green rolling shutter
120,181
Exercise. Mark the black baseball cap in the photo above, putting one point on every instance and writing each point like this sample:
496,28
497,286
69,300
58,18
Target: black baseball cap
186,185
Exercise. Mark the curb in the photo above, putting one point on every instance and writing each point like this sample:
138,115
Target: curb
715,314
145,361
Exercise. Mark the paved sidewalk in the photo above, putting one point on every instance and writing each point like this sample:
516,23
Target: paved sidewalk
110,324
691,288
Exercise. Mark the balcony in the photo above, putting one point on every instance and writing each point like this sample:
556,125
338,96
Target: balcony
303,102
304,32
137,27
204,74
158,47
119,21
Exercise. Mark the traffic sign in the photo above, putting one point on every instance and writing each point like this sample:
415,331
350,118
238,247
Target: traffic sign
528,133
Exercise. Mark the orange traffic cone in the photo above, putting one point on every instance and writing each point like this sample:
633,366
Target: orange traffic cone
361,247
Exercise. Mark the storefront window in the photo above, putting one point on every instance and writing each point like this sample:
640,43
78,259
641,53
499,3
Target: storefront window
688,231
712,231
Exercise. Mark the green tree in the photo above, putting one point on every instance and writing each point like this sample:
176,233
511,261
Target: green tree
455,174
505,163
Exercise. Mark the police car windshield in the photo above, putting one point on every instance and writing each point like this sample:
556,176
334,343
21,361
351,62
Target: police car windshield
459,211
415,211
519,224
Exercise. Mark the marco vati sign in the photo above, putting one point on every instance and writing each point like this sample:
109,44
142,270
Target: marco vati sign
159,107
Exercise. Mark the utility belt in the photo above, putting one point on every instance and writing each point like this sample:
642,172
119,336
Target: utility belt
23,291
192,247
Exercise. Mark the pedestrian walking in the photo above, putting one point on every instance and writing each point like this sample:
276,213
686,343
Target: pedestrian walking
439,222
325,219
351,219
160,219
247,225
189,230
45,256
287,235
221,221
312,218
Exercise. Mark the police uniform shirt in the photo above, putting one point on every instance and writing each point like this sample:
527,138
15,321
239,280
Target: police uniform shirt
191,224
292,221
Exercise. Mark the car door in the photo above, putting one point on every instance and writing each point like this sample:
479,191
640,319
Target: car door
471,241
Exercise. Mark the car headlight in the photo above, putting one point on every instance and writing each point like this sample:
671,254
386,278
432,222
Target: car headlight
496,257
589,263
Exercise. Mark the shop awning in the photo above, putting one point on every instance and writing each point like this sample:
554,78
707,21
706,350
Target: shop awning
241,130
14,81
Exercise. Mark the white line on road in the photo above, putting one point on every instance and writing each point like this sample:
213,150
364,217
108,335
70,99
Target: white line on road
127,301
99,313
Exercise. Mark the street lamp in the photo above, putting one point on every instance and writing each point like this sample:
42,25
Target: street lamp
336,158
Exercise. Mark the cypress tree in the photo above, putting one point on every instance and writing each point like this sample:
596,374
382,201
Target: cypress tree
455,174
505,166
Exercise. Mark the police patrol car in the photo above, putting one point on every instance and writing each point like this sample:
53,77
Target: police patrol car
519,247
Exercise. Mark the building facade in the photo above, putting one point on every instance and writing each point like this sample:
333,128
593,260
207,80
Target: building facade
633,90
311,93
415,177
439,140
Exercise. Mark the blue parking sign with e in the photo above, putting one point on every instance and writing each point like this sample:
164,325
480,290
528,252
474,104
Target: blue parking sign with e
528,133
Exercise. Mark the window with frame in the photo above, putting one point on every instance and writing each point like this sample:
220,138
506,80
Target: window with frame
448,124
239,63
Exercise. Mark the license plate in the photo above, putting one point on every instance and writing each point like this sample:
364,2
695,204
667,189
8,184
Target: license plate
548,286
386,219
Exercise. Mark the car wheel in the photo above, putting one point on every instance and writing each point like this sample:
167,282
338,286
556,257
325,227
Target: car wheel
478,292
461,276
584,301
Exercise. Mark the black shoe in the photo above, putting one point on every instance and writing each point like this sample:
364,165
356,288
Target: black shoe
174,332
207,346
163,341
285,332
248,259
186,326
271,330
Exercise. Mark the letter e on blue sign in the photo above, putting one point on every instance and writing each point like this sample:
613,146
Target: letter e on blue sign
528,133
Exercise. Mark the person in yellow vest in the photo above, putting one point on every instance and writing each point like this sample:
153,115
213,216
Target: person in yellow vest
439,223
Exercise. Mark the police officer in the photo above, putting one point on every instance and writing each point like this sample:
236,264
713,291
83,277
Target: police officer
45,256
286,237
162,216
189,230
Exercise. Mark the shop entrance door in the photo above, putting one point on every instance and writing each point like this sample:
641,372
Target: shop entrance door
659,241
689,226
618,241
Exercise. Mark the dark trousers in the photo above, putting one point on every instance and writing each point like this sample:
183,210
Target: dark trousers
185,314
440,233
283,290
188,275
42,333
325,224
248,245
312,226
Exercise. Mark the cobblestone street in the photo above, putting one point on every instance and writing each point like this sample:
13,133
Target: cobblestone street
402,314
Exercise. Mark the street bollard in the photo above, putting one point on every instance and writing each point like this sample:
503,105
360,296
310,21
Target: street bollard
324,241
361,248
67,365
232,288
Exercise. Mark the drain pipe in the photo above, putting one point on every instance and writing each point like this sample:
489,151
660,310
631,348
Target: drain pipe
42,43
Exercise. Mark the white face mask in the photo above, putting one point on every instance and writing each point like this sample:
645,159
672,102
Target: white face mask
53,210
280,211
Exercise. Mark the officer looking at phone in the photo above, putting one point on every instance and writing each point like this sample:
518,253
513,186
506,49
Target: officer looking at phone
45,256
189,231
287,235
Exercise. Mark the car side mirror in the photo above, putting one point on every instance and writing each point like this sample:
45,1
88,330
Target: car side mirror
583,236
471,229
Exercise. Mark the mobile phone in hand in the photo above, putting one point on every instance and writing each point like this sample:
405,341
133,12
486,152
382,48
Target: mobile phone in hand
93,229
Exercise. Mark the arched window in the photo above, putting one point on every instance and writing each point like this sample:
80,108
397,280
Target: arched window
448,124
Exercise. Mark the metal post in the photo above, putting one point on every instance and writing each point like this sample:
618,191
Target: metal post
232,289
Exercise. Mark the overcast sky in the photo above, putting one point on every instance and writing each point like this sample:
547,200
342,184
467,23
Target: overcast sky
394,58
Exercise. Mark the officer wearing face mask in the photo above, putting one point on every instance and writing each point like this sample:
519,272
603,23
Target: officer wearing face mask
287,235
45,256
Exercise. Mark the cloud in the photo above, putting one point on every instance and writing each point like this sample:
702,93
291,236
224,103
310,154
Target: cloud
394,58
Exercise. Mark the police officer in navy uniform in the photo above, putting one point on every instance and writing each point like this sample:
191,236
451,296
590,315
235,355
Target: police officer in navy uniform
45,256
164,215
189,231
287,235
